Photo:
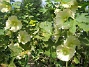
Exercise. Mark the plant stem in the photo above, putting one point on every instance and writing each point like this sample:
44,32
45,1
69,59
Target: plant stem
66,63
26,61
50,54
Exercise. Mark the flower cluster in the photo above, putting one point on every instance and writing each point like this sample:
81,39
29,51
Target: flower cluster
66,52
62,16
5,6
14,25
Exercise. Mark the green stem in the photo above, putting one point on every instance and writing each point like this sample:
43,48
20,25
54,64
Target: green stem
66,63
50,55
26,61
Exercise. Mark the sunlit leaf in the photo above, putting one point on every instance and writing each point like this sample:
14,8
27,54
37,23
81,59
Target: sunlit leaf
76,60
16,4
72,27
1,32
15,50
84,17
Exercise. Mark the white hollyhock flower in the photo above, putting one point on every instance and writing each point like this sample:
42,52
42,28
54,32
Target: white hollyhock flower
23,37
23,54
16,44
65,5
56,11
5,6
4,10
62,16
69,4
13,24
5,0
73,5
19,57
65,53
72,41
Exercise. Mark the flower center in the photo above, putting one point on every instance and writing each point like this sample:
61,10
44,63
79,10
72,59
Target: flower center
14,23
65,51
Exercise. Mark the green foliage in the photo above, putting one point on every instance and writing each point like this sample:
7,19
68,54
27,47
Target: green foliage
73,26
1,32
83,17
83,21
15,50
45,35
65,1
76,60
16,4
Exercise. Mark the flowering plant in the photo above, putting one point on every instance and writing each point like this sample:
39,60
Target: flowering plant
36,35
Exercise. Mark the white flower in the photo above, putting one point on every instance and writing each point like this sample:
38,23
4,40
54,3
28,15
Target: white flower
4,10
13,24
66,5
72,41
23,37
5,6
5,0
23,54
16,44
19,57
69,4
72,5
65,53
56,11
62,16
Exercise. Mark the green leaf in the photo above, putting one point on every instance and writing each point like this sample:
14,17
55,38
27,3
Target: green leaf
1,32
53,54
44,37
47,53
16,4
47,26
84,26
27,65
84,17
11,65
56,34
72,27
15,50
46,30
76,60
57,0
32,22
85,40
83,21
64,1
